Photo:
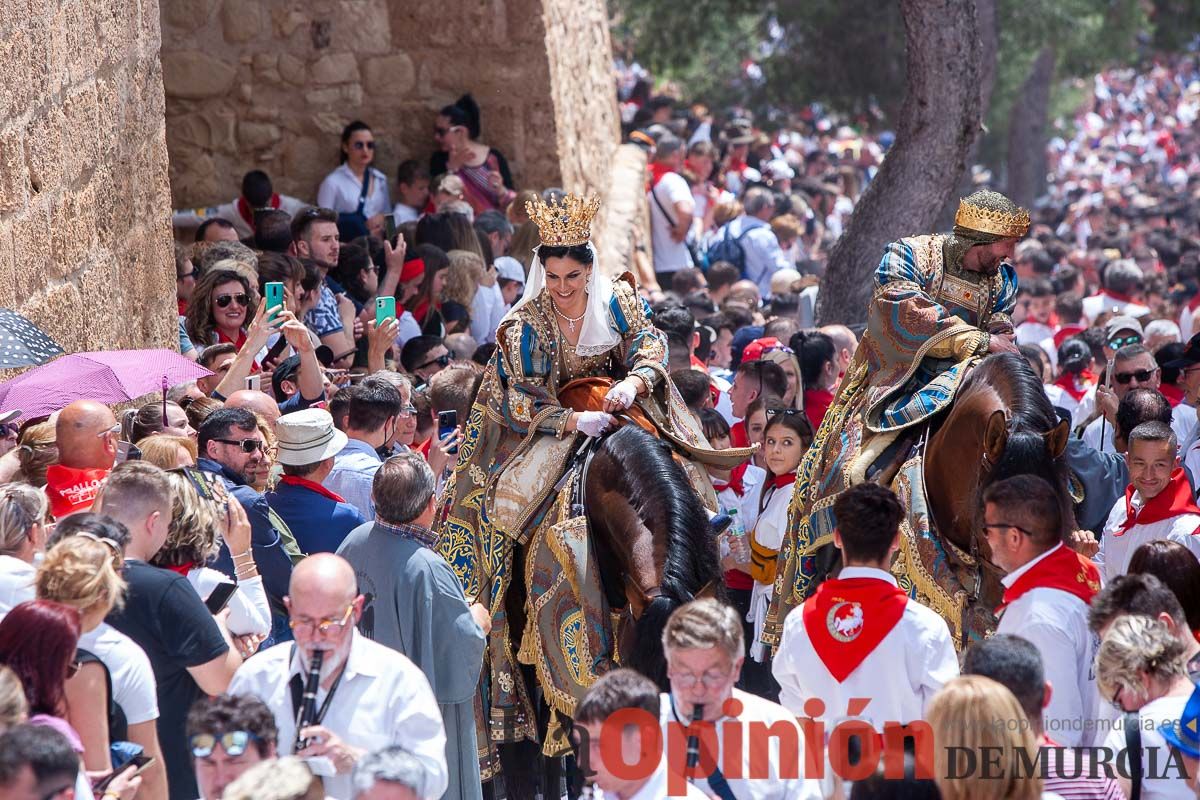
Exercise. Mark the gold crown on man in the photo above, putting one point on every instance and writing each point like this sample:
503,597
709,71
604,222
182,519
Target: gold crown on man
993,213
565,223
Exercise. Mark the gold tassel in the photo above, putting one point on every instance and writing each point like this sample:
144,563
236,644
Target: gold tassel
556,744
527,653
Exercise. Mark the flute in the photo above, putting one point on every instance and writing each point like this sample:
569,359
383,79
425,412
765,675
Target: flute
693,741
308,704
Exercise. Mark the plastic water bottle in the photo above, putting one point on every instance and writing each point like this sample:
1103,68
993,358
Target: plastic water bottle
739,545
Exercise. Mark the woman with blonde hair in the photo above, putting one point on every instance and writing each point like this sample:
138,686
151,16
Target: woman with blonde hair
169,452
1141,669
83,572
22,536
37,449
201,512
972,713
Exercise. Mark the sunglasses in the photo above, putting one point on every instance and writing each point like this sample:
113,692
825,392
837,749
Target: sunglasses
224,300
107,542
186,275
1142,376
1122,341
364,145
234,743
441,361
787,412
247,445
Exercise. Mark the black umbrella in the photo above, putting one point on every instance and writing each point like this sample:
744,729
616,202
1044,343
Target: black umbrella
23,344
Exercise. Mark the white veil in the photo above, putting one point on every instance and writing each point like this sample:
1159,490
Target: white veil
597,335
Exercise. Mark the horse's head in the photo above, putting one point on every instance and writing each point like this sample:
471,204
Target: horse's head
1007,453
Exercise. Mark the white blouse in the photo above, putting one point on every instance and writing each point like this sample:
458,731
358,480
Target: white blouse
249,610
341,188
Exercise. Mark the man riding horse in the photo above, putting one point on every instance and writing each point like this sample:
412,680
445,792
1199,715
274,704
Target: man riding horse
940,303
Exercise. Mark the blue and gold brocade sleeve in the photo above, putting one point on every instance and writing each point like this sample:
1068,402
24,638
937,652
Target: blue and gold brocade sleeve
642,344
523,367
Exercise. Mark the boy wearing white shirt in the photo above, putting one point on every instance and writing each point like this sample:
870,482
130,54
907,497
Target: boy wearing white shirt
861,626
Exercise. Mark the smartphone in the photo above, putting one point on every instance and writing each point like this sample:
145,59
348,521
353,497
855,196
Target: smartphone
127,451
274,298
447,422
141,762
385,308
389,220
220,597
254,383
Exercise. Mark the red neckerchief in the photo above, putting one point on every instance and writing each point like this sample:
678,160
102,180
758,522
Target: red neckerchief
737,165
847,619
1172,392
312,486
657,171
247,213
1076,385
1063,569
71,489
241,340
737,478
1066,332
1194,303
182,304
182,569
780,481
1172,501
1119,296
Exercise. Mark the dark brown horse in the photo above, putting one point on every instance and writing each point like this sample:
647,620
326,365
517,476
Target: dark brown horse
1001,424
655,550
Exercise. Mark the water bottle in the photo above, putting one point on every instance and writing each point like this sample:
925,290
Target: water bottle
739,545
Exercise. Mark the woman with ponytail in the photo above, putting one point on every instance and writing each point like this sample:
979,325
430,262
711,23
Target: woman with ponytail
818,371
483,170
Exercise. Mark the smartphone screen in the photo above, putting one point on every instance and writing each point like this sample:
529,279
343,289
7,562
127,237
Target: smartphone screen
385,308
274,291
390,221
220,597
447,422
140,761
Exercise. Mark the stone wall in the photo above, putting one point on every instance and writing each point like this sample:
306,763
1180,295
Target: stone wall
85,248
271,83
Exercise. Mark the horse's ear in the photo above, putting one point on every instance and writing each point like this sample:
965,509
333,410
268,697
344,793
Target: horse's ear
1056,439
995,436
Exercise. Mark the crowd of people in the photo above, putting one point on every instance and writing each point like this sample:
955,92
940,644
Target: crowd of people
246,585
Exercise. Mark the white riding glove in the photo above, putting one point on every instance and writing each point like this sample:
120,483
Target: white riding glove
622,392
593,423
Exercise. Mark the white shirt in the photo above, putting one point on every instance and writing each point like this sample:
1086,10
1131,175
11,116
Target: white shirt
249,609
899,677
404,213
1060,397
744,787
747,504
769,530
657,787
669,255
383,699
1115,551
487,309
1154,746
341,188
1055,622
133,685
1097,304
16,583
1183,422
409,329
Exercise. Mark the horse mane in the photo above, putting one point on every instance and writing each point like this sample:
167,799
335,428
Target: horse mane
659,491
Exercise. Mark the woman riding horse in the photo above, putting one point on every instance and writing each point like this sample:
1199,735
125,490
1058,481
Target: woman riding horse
509,504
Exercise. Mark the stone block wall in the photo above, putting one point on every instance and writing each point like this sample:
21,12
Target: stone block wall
271,83
85,246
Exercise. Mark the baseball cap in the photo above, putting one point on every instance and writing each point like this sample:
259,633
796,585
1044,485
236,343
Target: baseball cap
1118,324
509,269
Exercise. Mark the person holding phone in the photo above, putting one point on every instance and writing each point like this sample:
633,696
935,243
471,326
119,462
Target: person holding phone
484,171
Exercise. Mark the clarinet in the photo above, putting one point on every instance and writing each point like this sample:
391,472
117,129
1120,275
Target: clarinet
693,740
308,705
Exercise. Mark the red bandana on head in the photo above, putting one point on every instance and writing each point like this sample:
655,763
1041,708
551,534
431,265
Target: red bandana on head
847,619
1063,569
1172,501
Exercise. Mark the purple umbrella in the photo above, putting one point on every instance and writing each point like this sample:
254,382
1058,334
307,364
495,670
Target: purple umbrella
112,376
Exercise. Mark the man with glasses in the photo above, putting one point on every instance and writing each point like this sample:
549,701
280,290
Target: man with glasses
371,425
87,434
369,697
228,735
861,625
1133,367
704,649
231,446
1047,589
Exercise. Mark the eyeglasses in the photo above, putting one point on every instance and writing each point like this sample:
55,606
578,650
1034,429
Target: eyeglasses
247,445
185,276
1142,376
364,145
686,680
115,430
224,300
408,411
234,743
1116,699
988,525
441,361
1121,341
324,625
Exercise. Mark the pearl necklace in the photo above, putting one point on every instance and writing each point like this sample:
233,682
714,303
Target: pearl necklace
570,321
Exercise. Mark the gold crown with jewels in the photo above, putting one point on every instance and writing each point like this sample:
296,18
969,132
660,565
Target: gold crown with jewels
565,223
1004,218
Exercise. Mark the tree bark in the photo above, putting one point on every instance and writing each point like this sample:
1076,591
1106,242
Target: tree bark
1027,131
938,123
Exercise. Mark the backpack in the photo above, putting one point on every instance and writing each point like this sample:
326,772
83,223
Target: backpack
728,248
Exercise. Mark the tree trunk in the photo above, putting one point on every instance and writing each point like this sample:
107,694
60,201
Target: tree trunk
938,123
989,42
1027,131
